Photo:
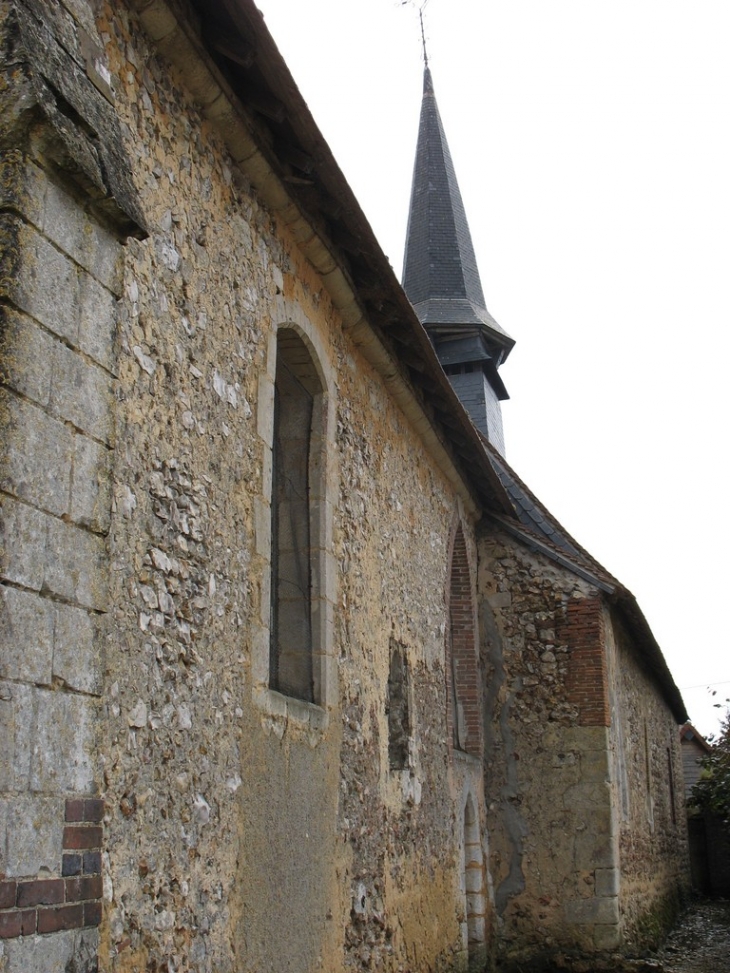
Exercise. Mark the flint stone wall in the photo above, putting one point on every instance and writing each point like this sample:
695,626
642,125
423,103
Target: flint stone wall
649,796
233,813
230,824
572,871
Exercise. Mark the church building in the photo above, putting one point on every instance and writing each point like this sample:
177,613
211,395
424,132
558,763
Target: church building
296,674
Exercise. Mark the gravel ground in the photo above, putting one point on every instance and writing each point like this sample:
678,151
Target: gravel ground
700,942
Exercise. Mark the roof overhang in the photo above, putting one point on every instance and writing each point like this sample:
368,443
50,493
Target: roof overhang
230,64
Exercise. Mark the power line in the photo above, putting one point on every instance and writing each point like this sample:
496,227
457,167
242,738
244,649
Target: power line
705,685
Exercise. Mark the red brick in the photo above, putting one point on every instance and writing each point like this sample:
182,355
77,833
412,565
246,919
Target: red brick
7,894
28,920
72,864
75,809
76,837
14,924
41,892
87,887
92,862
67,917
93,810
9,925
92,913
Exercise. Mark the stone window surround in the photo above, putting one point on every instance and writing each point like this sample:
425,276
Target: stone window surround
472,877
314,716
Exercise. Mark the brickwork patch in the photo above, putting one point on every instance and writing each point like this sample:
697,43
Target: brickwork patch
73,899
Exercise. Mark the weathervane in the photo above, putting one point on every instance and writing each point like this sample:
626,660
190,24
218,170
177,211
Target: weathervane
420,7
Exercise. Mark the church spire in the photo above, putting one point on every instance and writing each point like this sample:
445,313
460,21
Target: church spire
441,278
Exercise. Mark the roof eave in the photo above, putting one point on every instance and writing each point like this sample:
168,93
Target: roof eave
266,124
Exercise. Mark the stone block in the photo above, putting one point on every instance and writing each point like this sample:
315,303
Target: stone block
97,322
38,279
271,341
62,760
59,953
23,186
82,13
26,188
35,455
23,532
267,473
77,649
262,527
265,411
594,849
607,937
72,230
27,355
17,719
82,394
323,622
329,584
594,765
26,636
76,567
607,881
585,738
321,519
474,904
594,910
589,796
326,680
474,880
34,830
260,642
91,493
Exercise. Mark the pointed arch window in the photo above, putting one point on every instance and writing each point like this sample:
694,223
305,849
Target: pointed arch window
462,676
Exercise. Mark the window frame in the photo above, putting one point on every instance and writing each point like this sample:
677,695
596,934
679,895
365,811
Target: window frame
276,704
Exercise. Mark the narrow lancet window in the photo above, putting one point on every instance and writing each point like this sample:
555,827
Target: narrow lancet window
398,718
296,387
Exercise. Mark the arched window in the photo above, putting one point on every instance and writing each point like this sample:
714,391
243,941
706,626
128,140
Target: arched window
296,462
462,682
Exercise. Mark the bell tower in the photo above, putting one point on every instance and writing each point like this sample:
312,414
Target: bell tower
441,279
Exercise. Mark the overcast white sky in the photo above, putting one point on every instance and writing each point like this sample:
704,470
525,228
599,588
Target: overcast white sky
590,140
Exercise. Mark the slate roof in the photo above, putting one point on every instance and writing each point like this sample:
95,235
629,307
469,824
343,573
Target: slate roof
267,102
536,527
440,273
528,511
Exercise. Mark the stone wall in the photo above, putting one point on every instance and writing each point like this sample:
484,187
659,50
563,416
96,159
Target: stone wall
60,277
233,812
575,862
540,763
162,808
649,796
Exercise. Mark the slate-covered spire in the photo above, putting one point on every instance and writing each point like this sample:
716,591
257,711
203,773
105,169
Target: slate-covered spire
441,278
